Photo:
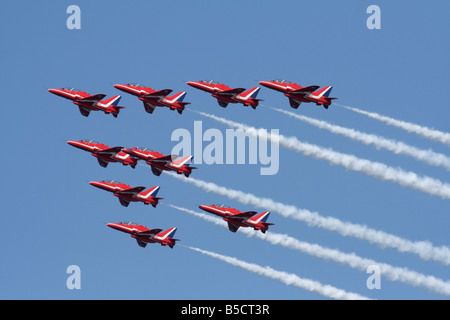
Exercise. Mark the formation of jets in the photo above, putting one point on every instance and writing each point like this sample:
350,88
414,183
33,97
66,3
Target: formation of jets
223,93
181,165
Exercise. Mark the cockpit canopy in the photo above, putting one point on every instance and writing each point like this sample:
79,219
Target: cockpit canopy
129,223
136,85
111,181
89,141
144,149
282,81
71,89
221,205
209,81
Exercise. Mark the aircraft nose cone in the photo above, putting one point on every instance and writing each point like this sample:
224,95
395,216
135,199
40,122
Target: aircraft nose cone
191,83
93,183
264,83
203,207
72,143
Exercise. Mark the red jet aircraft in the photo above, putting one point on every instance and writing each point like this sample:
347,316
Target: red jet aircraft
153,99
225,94
144,235
87,103
159,162
298,94
236,218
103,153
126,194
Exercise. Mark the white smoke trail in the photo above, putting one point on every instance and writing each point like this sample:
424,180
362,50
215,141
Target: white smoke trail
287,278
375,169
397,147
352,260
424,249
423,131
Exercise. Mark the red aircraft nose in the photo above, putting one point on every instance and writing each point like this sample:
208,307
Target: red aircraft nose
95,184
266,83
120,86
116,226
203,207
192,84
73,143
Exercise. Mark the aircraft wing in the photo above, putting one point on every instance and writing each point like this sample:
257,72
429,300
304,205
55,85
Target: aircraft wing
149,107
232,227
242,215
158,94
131,191
84,111
103,163
156,171
306,90
110,150
124,202
294,103
141,243
231,92
168,158
149,232
222,103
92,99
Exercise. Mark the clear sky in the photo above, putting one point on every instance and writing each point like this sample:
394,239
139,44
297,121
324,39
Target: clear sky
52,218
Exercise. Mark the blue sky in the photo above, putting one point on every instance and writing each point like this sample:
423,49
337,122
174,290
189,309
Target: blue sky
53,218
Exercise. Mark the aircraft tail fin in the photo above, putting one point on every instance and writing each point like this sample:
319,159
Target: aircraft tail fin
169,233
323,92
113,101
177,97
252,93
262,217
151,192
182,161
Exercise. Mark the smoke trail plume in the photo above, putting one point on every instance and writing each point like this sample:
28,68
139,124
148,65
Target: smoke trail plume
432,134
375,169
428,156
287,278
350,259
424,249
